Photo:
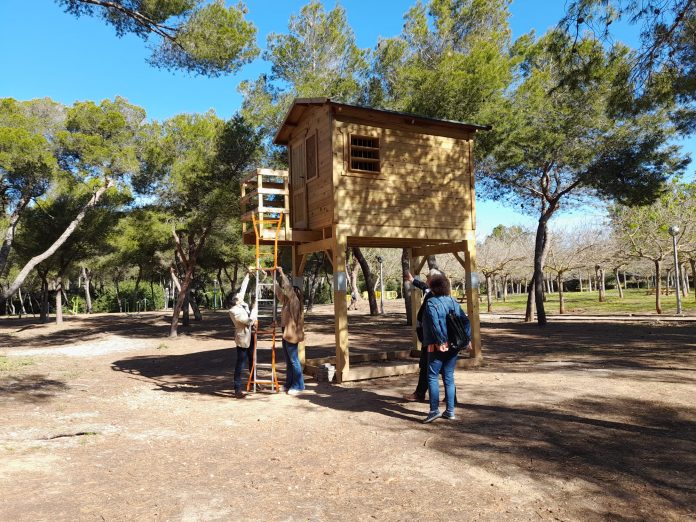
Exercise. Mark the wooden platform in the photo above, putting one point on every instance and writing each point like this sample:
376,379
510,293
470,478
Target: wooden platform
381,364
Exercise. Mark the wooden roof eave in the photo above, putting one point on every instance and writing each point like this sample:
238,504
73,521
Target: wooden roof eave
300,105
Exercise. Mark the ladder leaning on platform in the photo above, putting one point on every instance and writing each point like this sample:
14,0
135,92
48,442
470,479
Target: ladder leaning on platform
267,325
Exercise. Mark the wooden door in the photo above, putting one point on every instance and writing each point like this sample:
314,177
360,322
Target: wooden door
298,186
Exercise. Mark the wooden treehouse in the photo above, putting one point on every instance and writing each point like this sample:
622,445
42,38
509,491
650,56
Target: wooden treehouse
370,178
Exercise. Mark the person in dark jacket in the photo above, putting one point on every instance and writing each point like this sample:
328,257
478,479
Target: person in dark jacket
441,359
422,386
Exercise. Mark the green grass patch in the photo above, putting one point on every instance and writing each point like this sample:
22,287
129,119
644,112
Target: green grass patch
635,301
11,364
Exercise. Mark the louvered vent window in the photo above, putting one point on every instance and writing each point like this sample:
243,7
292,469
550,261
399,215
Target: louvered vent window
364,154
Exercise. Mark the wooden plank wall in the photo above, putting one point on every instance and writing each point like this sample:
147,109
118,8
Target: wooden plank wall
320,189
424,185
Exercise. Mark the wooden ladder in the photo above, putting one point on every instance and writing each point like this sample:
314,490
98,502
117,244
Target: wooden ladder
266,328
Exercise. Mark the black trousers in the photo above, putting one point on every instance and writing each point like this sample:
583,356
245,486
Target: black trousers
244,355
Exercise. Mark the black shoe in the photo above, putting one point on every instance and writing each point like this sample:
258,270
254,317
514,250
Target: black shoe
432,416
449,416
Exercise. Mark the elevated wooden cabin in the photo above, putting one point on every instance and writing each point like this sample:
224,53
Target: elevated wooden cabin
368,177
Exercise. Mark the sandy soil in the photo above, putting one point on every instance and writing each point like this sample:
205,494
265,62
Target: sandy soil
107,419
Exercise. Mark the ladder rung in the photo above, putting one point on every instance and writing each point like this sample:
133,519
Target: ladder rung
264,365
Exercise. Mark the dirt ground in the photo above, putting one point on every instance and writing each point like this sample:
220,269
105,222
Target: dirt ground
107,419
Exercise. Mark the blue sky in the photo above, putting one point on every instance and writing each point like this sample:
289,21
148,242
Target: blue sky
47,53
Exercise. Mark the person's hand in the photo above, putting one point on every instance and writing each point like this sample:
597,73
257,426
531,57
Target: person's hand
443,347
469,349
280,270
409,277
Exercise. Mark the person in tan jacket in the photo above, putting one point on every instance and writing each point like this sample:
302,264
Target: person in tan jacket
244,321
292,323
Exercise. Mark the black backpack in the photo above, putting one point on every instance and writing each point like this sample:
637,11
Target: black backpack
456,330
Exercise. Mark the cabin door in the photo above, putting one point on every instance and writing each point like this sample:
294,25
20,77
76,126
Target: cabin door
298,185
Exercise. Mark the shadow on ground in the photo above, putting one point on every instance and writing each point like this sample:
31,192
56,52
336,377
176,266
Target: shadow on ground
30,388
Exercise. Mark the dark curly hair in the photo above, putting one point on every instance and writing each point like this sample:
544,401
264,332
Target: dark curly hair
439,285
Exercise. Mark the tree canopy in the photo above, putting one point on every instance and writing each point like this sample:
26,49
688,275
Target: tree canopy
201,37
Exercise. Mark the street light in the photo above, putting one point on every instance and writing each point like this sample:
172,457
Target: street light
674,232
380,260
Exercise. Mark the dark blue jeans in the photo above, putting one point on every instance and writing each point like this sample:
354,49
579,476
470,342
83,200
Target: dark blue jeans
294,379
244,356
441,362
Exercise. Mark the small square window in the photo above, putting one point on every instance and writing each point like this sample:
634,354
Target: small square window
364,154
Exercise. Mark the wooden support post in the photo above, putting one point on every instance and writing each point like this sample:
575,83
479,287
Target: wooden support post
472,297
340,306
416,297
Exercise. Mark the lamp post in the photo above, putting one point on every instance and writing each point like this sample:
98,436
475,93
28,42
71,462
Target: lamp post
674,232
380,260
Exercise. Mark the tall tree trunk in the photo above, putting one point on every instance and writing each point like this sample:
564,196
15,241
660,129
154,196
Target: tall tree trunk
137,281
186,320
10,232
189,261
118,295
229,278
561,299
580,280
600,283
684,280
313,282
22,310
44,298
541,247
489,292
505,288
589,282
58,242
658,286
692,262
86,278
367,274
31,305
432,263
59,299
193,302
618,283
408,287
531,297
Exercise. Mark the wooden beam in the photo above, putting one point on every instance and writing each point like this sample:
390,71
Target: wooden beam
459,258
472,298
420,265
329,256
315,246
444,248
304,236
340,306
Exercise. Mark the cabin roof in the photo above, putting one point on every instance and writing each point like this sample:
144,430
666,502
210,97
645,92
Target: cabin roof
300,105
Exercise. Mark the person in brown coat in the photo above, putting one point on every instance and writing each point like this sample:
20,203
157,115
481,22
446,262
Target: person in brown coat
292,323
